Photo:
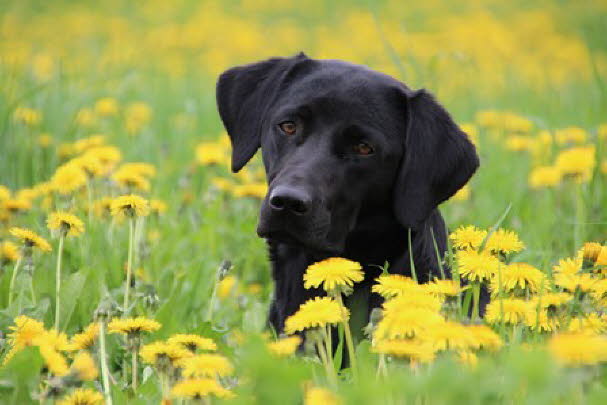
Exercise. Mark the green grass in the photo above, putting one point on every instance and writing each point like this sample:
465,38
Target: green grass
197,236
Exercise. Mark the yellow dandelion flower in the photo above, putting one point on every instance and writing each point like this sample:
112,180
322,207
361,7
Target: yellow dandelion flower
392,285
86,117
53,339
103,207
445,288
507,310
206,365
108,155
412,300
85,339
193,342
30,239
553,300
477,266
467,237
226,286
130,206
9,252
463,194
158,207
316,312
578,162
199,388
320,396
518,143
137,115
222,184
54,360
333,273
92,141
68,178
471,130
571,282
485,337
83,367
407,322
568,266
545,176
255,190
449,335
130,326
601,259
106,107
589,323
82,396
412,349
504,241
540,321
131,180
570,135
15,205
577,349
161,354
467,358
141,168
591,252
65,223
285,346
5,193
23,334
27,116
521,276
211,153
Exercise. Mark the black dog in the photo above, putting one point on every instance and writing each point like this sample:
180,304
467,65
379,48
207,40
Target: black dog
356,162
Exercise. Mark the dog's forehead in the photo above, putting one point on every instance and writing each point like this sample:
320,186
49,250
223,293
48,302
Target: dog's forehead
341,87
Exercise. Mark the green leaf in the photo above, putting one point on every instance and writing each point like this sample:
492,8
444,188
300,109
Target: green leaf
71,290
19,377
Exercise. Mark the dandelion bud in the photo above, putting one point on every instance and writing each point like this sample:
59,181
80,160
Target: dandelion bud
374,318
224,268
105,310
591,250
150,297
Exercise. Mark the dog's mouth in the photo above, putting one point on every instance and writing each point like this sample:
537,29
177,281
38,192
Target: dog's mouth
314,244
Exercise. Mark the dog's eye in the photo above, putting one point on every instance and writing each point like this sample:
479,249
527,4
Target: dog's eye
362,149
288,127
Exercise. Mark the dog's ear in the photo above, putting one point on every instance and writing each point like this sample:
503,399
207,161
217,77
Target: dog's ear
243,94
438,159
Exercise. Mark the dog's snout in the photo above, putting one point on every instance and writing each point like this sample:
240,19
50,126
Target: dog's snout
290,199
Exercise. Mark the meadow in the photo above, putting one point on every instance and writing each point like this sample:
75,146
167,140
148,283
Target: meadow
130,270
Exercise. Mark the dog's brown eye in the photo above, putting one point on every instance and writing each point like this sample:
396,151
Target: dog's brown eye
363,149
288,127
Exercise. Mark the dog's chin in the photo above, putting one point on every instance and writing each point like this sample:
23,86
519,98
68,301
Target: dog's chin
312,244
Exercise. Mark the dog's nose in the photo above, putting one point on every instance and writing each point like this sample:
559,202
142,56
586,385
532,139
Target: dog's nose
290,199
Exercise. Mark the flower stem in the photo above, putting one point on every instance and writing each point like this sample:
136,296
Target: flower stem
13,278
320,345
476,295
103,361
381,366
209,315
32,292
349,342
134,369
129,266
58,282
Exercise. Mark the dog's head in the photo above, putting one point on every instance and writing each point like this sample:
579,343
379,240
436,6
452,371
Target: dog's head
339,140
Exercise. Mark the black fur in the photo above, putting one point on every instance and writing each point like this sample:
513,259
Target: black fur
326,200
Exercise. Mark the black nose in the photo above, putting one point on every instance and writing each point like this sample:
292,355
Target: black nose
290,199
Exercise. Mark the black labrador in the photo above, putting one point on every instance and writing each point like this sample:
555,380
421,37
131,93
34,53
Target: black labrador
356,162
